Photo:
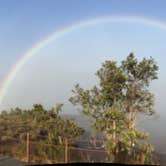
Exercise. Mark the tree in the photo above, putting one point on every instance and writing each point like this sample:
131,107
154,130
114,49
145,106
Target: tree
114,103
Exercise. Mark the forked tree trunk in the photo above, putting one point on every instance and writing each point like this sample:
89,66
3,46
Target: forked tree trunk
132,112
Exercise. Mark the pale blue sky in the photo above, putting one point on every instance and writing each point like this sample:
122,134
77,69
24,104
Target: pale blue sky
74,58
24,23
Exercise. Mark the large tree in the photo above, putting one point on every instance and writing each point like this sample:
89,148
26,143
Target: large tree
113,104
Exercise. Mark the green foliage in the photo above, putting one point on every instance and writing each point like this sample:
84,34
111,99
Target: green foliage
113,105
46,127
139,75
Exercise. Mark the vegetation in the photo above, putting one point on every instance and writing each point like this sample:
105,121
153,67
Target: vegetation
46,127
114,104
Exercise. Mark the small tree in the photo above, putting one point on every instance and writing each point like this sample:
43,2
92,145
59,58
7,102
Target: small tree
113,105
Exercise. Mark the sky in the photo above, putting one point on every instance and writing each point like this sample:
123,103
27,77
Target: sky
76,56
49,75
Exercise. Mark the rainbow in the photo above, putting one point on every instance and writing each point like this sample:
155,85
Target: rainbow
61,32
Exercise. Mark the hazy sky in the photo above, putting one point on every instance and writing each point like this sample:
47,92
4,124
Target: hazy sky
49,76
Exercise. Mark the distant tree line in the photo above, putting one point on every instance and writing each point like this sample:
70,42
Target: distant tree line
44,126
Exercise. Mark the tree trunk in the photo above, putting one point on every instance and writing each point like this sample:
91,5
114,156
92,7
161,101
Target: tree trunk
114,132
142,158
131,106
114,137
